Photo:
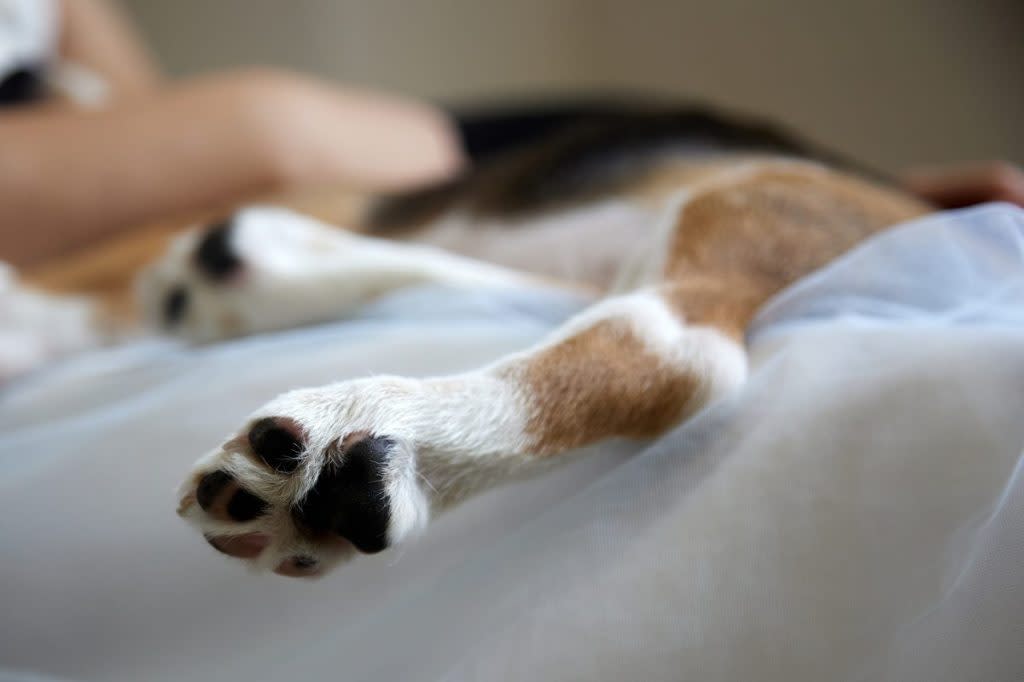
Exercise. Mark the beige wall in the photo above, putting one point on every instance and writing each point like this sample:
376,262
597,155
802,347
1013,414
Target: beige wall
890,81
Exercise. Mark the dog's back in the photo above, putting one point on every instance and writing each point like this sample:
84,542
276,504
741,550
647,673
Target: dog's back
574,193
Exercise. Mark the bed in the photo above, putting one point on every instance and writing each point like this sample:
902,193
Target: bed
854,513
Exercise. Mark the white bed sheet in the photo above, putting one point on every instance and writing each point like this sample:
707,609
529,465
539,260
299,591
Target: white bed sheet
855,513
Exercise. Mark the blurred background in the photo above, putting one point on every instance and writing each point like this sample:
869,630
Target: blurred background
892,83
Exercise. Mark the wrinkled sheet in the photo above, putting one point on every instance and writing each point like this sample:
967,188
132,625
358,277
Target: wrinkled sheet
855,513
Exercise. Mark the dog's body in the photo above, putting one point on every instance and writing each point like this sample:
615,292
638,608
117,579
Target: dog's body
681,236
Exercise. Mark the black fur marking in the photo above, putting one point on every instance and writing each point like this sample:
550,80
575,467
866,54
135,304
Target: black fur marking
531,160
175,305
349,498
214,257
411,209
209,486
244,506
23,86
276,446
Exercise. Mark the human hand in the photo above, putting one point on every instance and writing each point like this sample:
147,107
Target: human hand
966,184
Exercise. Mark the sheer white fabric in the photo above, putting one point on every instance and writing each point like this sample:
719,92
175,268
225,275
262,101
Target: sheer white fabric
28,33
853,514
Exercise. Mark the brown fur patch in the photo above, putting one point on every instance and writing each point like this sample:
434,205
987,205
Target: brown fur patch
739,241
603,383
105,271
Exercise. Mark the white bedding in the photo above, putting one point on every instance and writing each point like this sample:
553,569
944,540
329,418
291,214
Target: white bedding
855,513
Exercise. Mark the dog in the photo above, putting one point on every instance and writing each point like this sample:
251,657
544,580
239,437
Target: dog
679,223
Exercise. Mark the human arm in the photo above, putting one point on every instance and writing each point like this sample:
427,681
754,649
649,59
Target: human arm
68,177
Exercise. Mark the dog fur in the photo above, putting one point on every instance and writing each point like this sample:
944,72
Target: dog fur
680,226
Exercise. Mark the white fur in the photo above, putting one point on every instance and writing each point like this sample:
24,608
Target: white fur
297,271
585,245
36,328
645,265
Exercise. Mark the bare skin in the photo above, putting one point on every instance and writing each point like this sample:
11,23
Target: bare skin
97,35
964,184
69,177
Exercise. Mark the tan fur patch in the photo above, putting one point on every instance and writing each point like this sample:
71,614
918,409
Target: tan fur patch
739,241
603,383
105,272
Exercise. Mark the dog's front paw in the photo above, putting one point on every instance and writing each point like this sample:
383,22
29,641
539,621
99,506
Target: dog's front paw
314,477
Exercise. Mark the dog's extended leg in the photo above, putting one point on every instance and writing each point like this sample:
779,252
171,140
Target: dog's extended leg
270,268
369,460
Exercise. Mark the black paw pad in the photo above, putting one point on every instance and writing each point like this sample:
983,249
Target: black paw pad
210,487
218,487
349,497
175,305
244,506
277,446
214,256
